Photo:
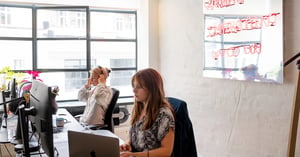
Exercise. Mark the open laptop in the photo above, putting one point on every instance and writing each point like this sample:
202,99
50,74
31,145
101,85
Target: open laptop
86,144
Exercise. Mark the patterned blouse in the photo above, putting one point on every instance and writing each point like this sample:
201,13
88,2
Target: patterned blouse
152,137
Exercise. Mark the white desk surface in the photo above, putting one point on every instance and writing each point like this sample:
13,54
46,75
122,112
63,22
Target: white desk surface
60,138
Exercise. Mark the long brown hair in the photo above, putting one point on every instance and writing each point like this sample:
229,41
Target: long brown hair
151,80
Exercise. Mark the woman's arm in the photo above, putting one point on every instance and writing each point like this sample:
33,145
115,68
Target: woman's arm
83,94
84,91
165,150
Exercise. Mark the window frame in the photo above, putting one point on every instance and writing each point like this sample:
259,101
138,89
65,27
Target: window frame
34,38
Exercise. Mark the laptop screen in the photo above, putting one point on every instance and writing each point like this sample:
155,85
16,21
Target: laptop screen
87,144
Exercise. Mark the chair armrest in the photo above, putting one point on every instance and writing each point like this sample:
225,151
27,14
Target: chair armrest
96,126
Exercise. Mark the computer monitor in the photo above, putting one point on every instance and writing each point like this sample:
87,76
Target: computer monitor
13,88
13,108
13,94
41,99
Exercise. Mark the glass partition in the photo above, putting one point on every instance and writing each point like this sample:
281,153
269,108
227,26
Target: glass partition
243,40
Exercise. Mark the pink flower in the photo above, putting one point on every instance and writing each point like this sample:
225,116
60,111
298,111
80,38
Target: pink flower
34,74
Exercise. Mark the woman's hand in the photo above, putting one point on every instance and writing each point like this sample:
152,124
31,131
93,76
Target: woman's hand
125,147
125,150
88,83
126,154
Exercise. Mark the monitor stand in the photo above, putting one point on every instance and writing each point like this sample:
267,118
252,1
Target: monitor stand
4,120
3,126
33,147
28,145
17,138
17,141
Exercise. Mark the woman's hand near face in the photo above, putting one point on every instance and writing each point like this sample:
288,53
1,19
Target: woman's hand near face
88,83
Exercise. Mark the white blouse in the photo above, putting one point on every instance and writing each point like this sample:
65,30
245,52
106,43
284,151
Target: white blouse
97,101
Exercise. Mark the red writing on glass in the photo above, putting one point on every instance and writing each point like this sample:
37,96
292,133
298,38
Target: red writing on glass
249,23
237,50
211,4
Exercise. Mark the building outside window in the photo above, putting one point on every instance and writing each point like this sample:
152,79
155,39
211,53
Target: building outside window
4,16
65,42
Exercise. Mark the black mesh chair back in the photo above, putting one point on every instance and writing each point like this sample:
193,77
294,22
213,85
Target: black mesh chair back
108,118
108,121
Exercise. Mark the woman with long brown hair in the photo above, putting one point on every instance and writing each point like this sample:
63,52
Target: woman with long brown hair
152,121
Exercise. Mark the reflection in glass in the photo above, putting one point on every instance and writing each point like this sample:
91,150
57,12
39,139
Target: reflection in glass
237,46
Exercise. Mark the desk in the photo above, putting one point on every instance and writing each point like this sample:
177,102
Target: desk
60,138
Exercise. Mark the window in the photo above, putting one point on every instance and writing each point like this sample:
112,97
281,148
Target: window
76,80
5,16
65,42
222,49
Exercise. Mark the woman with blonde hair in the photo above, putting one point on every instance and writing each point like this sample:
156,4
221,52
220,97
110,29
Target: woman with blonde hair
97,96
152,121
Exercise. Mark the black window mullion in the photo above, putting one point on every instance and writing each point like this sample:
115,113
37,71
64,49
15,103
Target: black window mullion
136,44
88,41
34,39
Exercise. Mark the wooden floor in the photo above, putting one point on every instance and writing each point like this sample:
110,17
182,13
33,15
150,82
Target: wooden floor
6,149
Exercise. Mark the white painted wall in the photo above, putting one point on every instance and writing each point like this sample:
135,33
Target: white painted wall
230,118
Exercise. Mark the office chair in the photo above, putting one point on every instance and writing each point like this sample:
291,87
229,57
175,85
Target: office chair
108,119
184,142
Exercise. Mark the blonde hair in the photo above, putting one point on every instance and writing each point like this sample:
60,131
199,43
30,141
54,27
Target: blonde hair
100,70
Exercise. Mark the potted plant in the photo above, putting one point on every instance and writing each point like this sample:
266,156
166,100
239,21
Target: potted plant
5,75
